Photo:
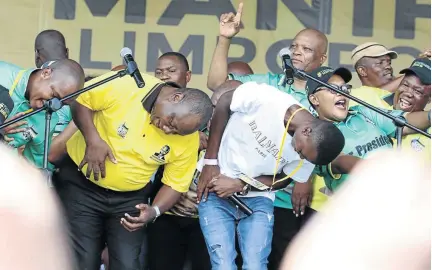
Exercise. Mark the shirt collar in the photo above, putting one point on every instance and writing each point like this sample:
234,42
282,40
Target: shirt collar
149,100
21,87
282,82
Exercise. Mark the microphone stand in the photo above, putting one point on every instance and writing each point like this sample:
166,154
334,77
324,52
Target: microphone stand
54,105
399,121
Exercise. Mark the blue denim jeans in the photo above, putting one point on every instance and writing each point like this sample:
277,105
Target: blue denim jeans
218,218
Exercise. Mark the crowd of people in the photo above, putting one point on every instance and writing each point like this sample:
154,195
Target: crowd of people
145,176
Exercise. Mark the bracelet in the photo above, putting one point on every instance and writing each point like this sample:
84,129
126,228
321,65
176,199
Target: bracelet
211,162
158,213
429,115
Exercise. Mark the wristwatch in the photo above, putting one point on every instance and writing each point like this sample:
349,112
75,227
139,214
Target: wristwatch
245,190
158,213
211,162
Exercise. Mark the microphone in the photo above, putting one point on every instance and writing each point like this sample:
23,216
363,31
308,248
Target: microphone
287,65
6,106
241,205
132,67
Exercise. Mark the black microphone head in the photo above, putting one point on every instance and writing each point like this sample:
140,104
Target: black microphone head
125,51
6,106
285,52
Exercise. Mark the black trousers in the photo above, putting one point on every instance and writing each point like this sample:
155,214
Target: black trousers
93,214
286,226
174,240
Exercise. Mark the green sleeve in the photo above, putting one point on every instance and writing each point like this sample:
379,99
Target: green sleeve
259,78
381,121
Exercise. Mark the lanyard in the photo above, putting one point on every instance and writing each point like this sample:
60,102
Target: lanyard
17,79
280,153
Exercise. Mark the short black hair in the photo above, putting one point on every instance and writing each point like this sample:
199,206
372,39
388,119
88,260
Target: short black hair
328,140
88,78
52,44
179,56
198,102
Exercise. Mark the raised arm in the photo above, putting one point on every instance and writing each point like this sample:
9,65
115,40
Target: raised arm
229,26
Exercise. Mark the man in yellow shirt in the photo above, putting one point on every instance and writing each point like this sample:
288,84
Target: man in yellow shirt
372,62
138,130
413,95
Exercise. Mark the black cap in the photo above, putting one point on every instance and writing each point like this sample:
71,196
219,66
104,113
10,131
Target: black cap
324,74
421,67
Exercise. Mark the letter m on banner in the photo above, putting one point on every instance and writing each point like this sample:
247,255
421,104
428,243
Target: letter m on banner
134,10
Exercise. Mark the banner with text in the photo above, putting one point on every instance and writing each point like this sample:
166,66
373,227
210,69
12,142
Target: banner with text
96,30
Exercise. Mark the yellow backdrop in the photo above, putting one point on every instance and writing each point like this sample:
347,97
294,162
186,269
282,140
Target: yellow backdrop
96,30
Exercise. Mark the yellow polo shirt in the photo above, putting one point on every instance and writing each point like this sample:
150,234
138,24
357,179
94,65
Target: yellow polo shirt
319,188
139,147
418,144
372,95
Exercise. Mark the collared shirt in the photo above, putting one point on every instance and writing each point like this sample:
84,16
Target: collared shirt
372,95
283,197
139,147
365,132
34,135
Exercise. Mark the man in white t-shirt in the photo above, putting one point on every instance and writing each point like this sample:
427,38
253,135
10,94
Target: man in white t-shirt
246,135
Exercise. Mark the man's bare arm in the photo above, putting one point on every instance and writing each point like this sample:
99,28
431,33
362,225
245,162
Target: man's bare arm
218,72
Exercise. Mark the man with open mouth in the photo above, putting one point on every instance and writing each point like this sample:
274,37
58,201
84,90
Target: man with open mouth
413,94
365,131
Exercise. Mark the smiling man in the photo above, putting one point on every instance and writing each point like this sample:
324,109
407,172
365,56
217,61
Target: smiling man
365,131
372,62
413,94
138,130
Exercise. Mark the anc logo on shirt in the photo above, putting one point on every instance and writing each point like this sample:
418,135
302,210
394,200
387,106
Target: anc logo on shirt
122,130
160,157
29,133
416,145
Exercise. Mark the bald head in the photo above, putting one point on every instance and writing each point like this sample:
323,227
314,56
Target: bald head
227,86
50,45
309,49
68,69
57,80
321,41
239,68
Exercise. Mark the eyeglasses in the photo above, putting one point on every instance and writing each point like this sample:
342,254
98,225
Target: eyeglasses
346,88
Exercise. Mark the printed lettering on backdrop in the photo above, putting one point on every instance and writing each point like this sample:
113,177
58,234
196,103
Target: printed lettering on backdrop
96,30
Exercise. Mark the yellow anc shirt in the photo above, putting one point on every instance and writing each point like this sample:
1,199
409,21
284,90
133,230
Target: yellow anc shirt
371,95
418,144
319,188
139,147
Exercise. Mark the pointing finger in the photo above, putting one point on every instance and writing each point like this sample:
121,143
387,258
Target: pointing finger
239,12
